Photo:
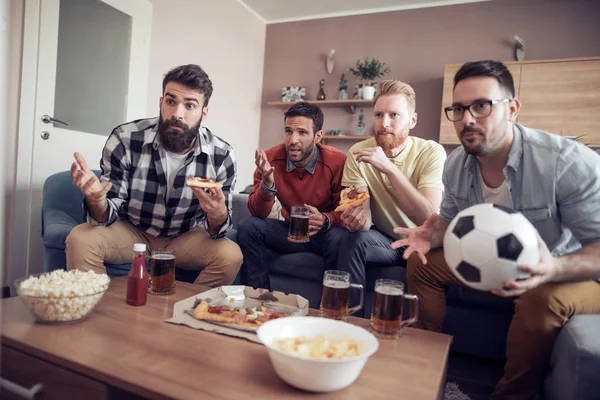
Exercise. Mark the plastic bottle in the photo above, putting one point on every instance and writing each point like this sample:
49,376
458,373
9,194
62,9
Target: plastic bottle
137,279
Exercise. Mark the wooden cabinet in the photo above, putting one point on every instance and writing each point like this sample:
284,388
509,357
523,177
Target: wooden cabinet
558,96
350,105
54,382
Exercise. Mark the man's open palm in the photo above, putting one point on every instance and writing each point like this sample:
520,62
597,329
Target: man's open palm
86,181
417,239
264,167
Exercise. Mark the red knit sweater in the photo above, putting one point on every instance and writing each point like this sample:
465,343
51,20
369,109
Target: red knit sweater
295,188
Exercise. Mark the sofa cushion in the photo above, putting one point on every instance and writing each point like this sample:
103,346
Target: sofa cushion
306,288
308,266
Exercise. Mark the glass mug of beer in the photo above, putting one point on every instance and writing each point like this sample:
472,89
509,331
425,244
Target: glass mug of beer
298,232
386,317
162,272
336,295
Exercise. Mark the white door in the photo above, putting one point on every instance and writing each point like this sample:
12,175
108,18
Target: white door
92,75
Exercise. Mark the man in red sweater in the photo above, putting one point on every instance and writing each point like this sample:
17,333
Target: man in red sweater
300,171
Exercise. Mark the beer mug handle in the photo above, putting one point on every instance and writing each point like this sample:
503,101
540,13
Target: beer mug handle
362,298
411,321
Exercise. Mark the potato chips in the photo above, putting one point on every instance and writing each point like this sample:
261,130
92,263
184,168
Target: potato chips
319,347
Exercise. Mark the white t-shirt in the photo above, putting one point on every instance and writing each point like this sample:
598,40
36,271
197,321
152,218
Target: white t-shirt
499,195
174,164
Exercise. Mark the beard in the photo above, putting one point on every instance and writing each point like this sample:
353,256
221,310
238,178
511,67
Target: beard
473,146
388,142
302,155
176,141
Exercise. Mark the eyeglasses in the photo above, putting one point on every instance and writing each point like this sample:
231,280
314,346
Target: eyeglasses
479,109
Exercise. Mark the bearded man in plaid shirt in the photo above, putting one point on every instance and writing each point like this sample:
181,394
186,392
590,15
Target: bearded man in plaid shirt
142,196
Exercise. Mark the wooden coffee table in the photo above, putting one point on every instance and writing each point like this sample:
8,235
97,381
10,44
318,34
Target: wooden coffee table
124,352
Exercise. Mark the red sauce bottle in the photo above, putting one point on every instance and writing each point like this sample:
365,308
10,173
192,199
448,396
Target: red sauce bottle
137,279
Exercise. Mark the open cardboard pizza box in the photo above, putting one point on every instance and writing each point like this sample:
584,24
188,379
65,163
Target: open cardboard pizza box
236,296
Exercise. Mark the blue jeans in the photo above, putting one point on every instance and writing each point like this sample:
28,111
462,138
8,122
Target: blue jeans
366,247
256,235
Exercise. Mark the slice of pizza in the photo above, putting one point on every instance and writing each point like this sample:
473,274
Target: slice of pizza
202,183
252,316
351,196
224,314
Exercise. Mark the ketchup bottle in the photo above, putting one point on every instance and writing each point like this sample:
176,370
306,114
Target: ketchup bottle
137,279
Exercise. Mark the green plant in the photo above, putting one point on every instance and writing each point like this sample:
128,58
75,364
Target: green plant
369,68
343,83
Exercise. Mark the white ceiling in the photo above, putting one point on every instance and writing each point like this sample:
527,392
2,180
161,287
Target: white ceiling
274,11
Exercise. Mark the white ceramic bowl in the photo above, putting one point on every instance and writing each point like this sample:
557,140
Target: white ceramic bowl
314,374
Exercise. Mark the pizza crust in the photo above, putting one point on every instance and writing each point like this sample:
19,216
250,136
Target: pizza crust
203,183
346,202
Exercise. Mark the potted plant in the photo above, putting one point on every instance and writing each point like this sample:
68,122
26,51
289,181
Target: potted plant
368,69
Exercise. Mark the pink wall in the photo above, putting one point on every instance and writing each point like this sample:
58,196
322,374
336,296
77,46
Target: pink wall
416,45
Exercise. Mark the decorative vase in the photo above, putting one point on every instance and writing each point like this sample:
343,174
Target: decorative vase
368,92
343,95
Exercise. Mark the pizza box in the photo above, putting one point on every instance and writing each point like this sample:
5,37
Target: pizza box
236,296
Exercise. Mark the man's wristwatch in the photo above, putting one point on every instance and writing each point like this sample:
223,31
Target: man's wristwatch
326,223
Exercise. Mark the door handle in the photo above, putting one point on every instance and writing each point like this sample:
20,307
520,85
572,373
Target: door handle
48,119
20,391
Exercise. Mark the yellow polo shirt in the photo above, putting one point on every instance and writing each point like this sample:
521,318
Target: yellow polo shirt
421,161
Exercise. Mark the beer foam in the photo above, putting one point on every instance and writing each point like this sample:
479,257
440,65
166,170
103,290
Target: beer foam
163,256
389,290
337,284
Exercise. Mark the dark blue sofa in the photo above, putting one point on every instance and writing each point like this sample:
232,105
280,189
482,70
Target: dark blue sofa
477,321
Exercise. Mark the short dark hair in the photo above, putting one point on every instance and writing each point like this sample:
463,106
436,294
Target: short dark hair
192,76
491,68
304,109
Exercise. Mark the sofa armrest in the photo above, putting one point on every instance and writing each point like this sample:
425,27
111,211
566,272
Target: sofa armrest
575,361
56,226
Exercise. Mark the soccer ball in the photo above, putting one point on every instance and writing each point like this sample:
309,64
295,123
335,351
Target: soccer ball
484,245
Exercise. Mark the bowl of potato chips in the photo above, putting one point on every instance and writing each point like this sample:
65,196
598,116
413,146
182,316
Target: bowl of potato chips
317,354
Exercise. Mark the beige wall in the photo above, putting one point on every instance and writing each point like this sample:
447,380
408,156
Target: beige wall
11,49
228,42
417,44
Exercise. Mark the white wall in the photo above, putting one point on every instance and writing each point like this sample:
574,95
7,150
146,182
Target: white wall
11,47
228,42
4,100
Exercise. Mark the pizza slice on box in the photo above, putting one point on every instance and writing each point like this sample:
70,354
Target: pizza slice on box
351,196
250,316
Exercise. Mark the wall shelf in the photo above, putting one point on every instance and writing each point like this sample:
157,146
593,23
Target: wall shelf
345,137
351,103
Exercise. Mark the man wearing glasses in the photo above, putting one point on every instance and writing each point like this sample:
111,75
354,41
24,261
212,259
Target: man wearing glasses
554,182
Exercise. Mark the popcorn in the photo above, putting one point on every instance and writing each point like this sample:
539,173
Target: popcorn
61,296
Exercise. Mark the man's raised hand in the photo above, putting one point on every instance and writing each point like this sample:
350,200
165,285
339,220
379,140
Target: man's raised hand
264,167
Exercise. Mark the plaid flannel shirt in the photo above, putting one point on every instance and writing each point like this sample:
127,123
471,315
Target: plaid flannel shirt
134,161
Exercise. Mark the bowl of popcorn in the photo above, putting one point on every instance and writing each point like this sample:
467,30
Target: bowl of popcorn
317,354
62,296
